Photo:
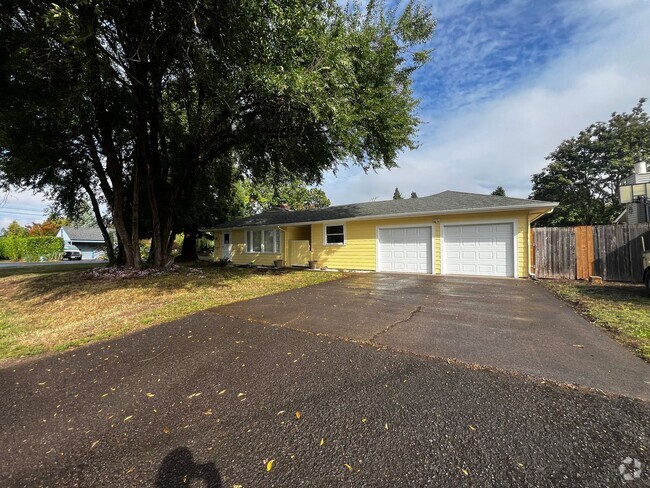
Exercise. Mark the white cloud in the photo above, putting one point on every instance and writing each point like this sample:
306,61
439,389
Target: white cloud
24,207
504,140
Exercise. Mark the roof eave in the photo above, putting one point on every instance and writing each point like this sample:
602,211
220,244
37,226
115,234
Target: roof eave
548,206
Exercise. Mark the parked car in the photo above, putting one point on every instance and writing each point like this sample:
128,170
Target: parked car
71,252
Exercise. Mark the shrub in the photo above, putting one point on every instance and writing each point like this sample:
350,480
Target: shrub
10,248
31,248
47,247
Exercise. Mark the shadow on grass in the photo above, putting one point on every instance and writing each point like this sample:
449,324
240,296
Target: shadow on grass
50,287
615,291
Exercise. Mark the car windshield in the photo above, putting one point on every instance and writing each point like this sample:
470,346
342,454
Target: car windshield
70,247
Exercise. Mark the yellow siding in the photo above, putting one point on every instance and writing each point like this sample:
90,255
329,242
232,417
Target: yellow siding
240,256
359,251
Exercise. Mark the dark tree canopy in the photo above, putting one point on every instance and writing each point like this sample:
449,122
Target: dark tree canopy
499,191
136,103
397,195
585,171
414,195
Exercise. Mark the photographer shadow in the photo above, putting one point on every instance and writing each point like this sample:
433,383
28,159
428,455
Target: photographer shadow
178,469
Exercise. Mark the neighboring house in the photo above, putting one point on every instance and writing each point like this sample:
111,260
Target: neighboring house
446,233
89,240
634,193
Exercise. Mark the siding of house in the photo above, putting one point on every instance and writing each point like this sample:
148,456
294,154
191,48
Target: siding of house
359,251
240,256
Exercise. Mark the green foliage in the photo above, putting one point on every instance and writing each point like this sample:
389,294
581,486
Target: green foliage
16,230
499,191
397,195
585,171
9,248
262,194
137,103
31,248
414,195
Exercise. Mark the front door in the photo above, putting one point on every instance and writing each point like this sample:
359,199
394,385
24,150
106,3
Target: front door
226,246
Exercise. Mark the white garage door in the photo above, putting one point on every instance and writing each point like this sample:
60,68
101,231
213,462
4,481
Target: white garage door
405,250
485,249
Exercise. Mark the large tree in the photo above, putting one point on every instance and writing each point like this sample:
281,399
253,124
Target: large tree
134,101
269,192
585,171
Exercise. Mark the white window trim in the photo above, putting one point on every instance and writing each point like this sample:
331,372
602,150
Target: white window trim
515,237
335,224
277,243
433,243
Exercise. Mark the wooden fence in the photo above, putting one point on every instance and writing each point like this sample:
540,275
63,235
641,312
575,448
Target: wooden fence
613,252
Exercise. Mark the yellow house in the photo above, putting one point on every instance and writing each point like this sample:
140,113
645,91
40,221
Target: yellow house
446,233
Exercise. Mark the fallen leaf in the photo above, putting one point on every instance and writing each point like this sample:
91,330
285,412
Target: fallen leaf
240,394
208,412
579,346
128,418
41,384
281,412
222,392
269,465
237,486
322,442
166,430
364,421
348,466
520,465
130,470
104,395
464,471
298,415
94,444
150,395
386,426
471,427
194,395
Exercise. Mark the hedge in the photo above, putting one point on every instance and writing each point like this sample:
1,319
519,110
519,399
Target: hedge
31,248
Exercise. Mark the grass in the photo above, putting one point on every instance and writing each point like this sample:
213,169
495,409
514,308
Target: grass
45,268
44,310
621,308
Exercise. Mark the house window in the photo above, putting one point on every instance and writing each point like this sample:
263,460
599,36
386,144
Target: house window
263,241
335,234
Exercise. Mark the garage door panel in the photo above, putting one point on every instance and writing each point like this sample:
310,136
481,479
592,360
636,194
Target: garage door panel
410,250
479,249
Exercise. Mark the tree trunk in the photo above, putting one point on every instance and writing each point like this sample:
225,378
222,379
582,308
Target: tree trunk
110,251
188,252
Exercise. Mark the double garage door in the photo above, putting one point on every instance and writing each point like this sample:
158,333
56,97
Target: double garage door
481,249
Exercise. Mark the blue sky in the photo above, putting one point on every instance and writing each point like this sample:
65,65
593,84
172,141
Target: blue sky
509,80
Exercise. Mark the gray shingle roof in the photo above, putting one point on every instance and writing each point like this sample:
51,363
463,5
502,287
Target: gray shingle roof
84,234
444,202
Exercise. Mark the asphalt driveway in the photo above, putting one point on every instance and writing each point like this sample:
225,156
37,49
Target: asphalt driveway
218,401
506,324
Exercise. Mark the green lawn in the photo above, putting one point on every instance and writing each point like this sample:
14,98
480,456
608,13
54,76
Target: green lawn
621,308
54,308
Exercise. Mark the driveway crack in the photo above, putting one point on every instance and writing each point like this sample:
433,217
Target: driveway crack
390,326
